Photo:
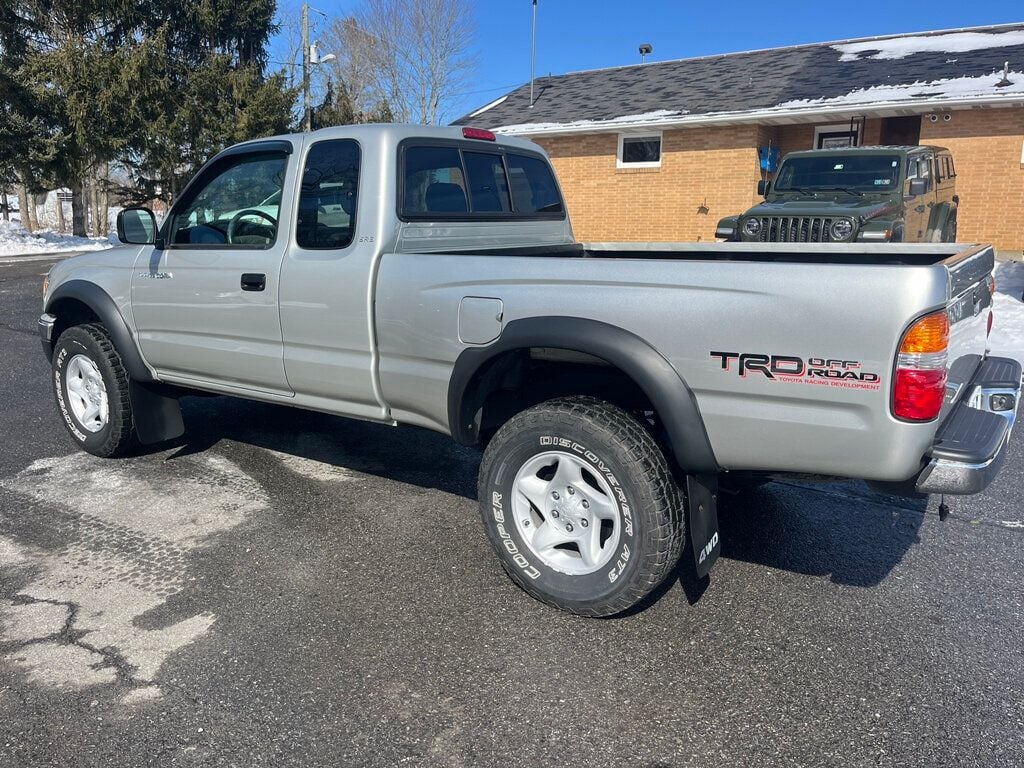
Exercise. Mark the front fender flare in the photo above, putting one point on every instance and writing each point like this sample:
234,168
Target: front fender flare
661,383
103,306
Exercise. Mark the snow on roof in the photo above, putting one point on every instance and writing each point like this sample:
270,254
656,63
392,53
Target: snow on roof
646,117
485,107
952,88
955,42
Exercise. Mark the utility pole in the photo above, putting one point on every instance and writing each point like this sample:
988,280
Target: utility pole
533,49
307,114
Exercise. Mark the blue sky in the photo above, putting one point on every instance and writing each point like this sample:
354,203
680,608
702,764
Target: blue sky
591,34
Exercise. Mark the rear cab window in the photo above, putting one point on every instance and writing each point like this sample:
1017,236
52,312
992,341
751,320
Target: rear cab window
474,181
327,201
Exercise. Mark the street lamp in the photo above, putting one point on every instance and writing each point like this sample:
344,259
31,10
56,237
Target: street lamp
310,56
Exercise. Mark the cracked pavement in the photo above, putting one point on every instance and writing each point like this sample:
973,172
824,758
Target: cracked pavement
284,588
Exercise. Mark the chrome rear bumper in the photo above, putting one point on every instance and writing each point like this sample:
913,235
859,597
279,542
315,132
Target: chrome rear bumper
969,445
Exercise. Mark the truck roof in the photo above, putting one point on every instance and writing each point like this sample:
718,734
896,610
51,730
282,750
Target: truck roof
869,150
395,132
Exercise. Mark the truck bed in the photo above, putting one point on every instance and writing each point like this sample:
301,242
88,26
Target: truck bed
905,254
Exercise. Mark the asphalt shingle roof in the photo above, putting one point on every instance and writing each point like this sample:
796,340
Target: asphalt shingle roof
965,61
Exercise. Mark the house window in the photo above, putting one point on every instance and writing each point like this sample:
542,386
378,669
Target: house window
639,151
838,135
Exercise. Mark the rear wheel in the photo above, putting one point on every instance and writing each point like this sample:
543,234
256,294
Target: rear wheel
91,388
581,506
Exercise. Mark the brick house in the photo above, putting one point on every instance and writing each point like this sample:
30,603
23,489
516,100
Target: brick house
661,151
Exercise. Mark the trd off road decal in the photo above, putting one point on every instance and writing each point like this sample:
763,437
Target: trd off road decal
828,372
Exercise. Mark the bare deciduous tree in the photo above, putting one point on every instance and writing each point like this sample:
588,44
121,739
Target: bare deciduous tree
413,55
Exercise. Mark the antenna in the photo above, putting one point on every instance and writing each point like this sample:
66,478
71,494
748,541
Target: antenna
645,50
533,50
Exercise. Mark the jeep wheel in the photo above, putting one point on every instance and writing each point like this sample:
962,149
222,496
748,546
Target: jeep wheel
91,387
581,506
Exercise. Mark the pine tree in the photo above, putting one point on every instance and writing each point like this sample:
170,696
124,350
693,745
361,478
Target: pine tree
155,87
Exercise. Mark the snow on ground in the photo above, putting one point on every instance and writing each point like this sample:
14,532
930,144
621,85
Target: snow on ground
15,240
1007,337
951,88
954,42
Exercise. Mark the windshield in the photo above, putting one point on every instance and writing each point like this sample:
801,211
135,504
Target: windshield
861,173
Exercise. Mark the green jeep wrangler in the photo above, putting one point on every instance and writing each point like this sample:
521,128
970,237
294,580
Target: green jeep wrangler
847,194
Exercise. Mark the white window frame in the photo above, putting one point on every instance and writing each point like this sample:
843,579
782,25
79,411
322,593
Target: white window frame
649,135
837,128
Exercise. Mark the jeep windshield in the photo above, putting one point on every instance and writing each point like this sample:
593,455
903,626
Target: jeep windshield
855,174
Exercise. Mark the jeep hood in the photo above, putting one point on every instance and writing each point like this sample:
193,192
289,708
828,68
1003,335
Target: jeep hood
857,208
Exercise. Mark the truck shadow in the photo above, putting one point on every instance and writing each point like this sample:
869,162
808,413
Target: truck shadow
844,531
406,454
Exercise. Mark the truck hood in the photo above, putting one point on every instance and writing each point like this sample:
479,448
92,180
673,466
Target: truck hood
858,208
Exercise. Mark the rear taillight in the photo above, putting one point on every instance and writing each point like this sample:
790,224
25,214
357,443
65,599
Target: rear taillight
920,385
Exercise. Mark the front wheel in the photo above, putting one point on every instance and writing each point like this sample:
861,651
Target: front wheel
91,388
581,506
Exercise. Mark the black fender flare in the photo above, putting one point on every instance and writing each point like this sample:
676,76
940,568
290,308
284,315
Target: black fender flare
661,383
106,310
154,405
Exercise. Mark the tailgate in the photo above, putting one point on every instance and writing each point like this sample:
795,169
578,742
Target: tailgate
970,306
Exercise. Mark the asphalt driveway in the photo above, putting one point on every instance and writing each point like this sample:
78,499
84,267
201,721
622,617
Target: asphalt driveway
283,588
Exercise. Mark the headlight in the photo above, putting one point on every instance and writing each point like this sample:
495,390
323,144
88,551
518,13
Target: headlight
841,229
751,227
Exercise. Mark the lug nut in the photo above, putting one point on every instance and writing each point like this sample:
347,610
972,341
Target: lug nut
554,513
526,523
584,522
554,495
571,490
586,504
568,527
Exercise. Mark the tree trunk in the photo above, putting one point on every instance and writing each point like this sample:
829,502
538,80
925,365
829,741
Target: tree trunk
33,213
94,202
62,225
78,209
105,201
5,204
23,210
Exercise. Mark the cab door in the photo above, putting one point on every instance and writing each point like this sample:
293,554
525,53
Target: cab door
205,303
918,197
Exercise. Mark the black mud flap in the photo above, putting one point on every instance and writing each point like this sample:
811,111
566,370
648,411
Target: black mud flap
156,412
702,501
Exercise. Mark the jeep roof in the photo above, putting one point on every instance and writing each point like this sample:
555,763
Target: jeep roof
869,150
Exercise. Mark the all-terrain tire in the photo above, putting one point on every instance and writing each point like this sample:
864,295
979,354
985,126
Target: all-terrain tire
612,450
116,437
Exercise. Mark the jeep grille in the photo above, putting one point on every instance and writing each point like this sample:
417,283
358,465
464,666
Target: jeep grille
795,229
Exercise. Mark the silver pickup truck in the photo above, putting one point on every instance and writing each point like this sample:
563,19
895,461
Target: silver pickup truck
429,276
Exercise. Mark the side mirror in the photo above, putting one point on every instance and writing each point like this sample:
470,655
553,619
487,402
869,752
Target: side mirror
763,187
918,187
136,226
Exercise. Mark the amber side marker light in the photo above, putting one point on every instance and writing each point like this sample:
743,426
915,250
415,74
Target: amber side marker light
920,385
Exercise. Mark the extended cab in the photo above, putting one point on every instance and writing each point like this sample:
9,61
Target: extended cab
850,194
428,276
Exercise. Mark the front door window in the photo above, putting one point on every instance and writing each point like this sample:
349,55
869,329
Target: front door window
236,203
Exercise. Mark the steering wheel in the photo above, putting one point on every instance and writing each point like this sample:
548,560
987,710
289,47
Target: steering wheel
247,212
